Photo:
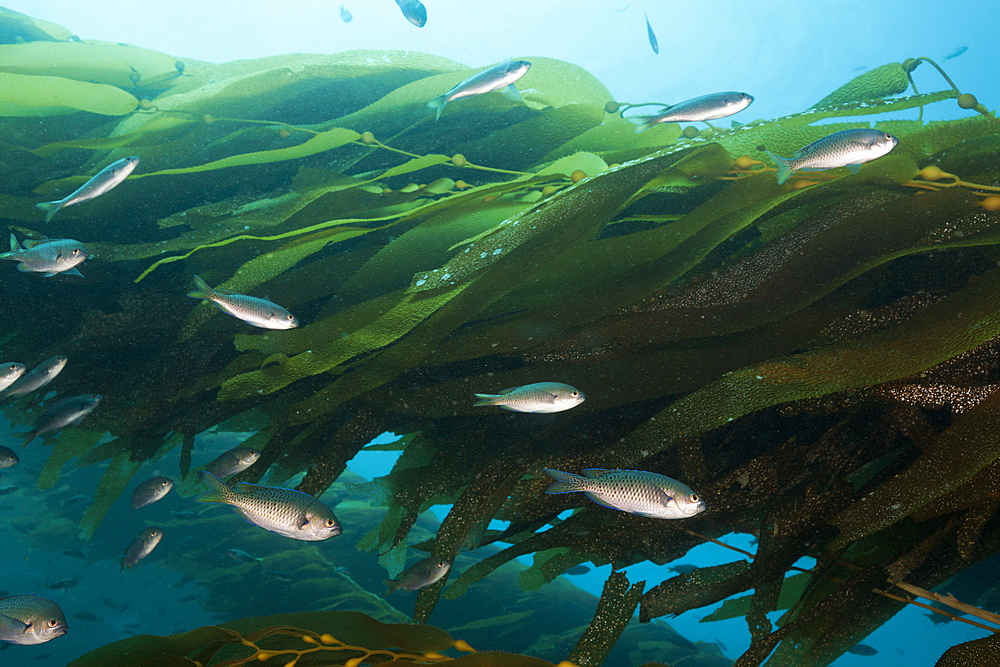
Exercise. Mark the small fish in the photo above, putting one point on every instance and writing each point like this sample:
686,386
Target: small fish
683,568
278,575
141,547
537,397
36,378
241,556
150,491
87,616
8,457
345,15
956,53
847,148
184,514
499,77
251,309
577,570
234,461
73,553
7,490
48,257
106,178
62,584
420,574
67,412
414,11
10,373
652,36
191,598
696,109
283,511
30,619
115,605
647,494
862,649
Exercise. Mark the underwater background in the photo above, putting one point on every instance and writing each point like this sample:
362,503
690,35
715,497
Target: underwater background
816,359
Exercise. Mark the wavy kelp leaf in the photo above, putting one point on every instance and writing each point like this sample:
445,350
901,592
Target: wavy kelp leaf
584,161
616,140
71,442
166,651
618,602
924,340
152,132
791,590
24,95
318,143
975,433
93,61
884,81
114,481
14,25
547,566
415,164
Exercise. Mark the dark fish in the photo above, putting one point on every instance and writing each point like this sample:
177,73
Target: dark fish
233,461
141,547
345,15
115,605
104,180
79,555
577,570
420,574
36,378
87,616
7,490
862,649
956,53
278,575
414,11
67,412
652,36
191,598
150,491
62,584
7,457
683,568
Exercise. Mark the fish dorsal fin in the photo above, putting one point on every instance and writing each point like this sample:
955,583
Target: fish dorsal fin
14,245
595,472
247,487
504,392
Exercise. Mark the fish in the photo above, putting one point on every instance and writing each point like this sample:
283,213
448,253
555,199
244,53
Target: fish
647,494
577,570
36,378
956,53
251,309
150,491
696,109
652,36
8,457
420,574
104,180
30,619
67,412
683,568
499,77
283,511
115,605
847,148
241,556
87,616
48,257
414,11
234,461
73,553
278,575
538,397
10,372
345,15
184,514
7,490
141,547
63,584
862,649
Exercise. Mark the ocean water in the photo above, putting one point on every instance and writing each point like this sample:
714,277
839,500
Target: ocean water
788,55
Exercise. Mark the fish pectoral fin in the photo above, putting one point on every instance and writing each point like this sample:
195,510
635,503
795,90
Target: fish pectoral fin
510,92
73,272
305,521
23,268
853,168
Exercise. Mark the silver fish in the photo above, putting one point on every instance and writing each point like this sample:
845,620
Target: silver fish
67,412
150,491
696,109
104,180
8,457
499,77
652,37
647,494
48,257
283,511
847,148
537,397
141,547
234,461
30,619
420,574
251,309
414,11
10,372
345,15
241,556
36,378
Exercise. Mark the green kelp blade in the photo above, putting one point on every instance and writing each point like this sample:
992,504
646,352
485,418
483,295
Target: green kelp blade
26,95
115,479
883,81
15,24
154,651
155,132
699,588
90,60
791,591
547,565
71,442
614,610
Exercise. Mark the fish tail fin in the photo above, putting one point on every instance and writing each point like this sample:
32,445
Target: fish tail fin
122,569
642,123
51,207
218,491
784,170
486,399
438,103
566,482
390,585
203,291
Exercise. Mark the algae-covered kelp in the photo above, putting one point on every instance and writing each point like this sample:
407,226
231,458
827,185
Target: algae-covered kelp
798,353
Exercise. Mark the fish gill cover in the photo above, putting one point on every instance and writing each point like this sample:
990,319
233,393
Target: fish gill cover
816,359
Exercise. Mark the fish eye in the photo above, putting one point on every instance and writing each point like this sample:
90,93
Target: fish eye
330,523
53,622
888,137
694,498
574,394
